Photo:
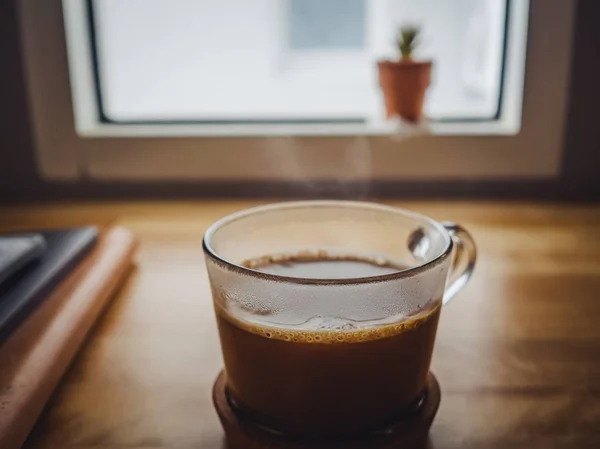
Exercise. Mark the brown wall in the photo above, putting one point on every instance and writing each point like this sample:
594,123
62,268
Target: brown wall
581,167
17,165
579,180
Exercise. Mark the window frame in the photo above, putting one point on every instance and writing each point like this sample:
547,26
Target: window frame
70,148
83,51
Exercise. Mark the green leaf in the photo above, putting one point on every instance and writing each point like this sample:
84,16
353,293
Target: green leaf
407,41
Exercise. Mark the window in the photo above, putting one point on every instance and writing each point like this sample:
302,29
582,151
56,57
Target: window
73,142
289,61
326,25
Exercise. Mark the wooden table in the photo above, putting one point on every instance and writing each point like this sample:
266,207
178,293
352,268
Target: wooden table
517,355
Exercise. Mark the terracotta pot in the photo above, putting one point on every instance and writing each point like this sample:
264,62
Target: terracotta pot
404,84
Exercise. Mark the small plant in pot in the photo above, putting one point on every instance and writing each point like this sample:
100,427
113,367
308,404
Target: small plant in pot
405,81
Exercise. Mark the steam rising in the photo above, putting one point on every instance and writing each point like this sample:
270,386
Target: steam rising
323,165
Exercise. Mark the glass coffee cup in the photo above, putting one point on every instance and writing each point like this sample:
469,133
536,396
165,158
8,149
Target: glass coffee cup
327,311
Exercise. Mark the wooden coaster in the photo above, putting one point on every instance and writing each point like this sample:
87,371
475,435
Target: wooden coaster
406,434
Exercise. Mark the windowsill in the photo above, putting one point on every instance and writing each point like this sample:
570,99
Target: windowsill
375,128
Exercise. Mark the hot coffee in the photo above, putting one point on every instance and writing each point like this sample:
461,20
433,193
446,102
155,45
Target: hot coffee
327,376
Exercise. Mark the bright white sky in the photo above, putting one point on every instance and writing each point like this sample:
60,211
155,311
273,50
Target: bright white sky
239,59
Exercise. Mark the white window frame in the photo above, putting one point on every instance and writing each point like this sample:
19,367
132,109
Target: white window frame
89,124
71,143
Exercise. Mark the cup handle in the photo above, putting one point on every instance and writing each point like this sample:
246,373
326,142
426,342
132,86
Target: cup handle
463,262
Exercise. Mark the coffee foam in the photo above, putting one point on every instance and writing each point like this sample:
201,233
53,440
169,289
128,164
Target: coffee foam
297,311
332,330
316,256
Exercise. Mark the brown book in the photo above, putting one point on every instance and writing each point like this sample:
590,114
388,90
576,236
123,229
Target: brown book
38,352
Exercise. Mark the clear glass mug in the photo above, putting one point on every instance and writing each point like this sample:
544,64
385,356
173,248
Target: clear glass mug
331,355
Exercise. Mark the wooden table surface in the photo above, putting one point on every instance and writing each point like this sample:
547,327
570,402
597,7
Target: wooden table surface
517,352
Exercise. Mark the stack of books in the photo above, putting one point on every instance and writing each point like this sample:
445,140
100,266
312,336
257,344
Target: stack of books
54,285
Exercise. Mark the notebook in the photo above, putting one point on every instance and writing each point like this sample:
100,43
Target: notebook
21,293
38,352
17,252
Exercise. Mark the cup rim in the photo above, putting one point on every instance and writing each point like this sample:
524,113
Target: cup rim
408,272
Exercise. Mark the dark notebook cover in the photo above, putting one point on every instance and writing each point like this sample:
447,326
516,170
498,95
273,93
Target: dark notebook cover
20,294
16,252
